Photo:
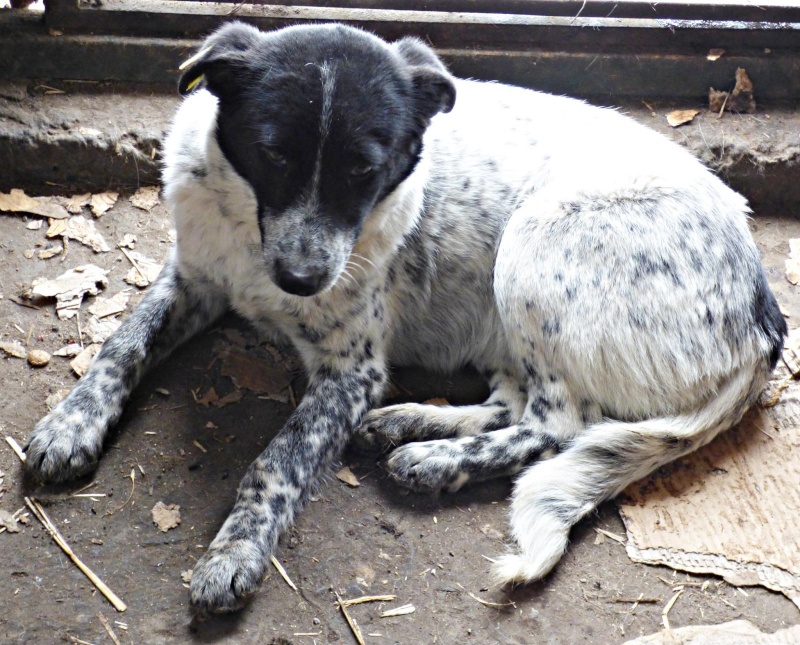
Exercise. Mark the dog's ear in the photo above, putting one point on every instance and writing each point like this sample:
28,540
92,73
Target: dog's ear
434,90
220,64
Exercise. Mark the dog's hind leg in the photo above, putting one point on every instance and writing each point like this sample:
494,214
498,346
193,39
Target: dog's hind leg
67,442
391,426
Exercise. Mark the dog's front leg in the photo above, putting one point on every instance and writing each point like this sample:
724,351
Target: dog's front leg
280,480
67,442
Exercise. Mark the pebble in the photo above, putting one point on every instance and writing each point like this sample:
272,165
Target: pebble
38,357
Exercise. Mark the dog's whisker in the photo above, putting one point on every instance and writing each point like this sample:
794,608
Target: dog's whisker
367,260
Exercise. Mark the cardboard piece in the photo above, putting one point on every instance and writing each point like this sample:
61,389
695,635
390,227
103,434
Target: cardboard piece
736,632
729,509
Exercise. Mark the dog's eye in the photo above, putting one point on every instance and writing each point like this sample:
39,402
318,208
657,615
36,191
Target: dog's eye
276,157
361,170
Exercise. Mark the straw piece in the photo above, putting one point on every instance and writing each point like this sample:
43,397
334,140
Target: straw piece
283,573
350,621
15,447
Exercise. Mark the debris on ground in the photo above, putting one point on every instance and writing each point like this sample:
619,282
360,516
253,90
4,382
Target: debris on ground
145,198
80,364
680,117
9,522
69,288
18,202
38,358
735,632
399,611
166,516
55,398
793,261
715,54
68,351
102,202
348,477
128,241
116,304
144,269
98,330
186,576
76,203
709,512
256,371
14,349
739,100
80,229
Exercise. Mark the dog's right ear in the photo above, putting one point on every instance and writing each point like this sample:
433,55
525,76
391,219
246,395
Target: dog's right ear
434,89
221,63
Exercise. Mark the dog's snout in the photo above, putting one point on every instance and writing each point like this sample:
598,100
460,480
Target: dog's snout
298,283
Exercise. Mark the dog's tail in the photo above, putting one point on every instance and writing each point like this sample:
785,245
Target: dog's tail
551,496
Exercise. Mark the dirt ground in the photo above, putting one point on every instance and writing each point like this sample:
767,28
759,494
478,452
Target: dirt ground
372,539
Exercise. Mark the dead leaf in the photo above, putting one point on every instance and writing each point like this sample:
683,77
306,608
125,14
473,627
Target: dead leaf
14,348
50,252
741,99
166,516
208,398
81,362
144,269
680,117
186,576
102,202
68,351
793,262
18,202
128,241
255,371
8,521
75,203
232,397
145,198
55,398
715,54
80,229
346,475
99,330
116,304
69,288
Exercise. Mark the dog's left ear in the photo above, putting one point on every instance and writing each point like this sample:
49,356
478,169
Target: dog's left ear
221,61
434,90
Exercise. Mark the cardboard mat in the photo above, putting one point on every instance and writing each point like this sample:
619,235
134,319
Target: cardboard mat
730,509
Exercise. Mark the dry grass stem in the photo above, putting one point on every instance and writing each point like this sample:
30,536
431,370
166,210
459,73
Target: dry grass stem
613,536
109,629
16,448
282,571
134,263
668,608
38,511
359,600
496,605
78,641
350,621
399,611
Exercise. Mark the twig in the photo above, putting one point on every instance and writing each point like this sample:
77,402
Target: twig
78,641
613,536
133,487
133,262
496,605
668,608
358,601
38,511
283,573
350,621
87,487
635,601
108,629
15,447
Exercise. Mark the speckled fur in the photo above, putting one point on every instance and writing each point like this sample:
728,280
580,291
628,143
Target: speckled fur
603,280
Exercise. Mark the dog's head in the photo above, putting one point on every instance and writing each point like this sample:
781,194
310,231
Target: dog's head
323,122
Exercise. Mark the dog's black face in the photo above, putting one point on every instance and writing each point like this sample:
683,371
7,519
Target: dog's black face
323,122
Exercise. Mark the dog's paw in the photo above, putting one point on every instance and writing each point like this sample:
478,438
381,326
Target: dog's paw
427,466
384,429
64,445
226,577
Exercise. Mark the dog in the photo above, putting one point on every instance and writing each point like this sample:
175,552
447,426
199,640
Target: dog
353,197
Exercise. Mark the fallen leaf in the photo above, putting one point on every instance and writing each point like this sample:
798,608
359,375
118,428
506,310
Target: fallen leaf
75,203
145,198
69,288
144,269
208,398
257,372
186,576
489,531
102,202
116,304
18,202
166,516
81,362
128,241
715,54
346,475
680,117
80,229
68,351
8,521
14,349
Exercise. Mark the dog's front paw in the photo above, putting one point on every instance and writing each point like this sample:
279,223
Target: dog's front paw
64,445
384,429
427,466
227,576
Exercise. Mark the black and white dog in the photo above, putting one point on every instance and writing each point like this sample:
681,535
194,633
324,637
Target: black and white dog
374,210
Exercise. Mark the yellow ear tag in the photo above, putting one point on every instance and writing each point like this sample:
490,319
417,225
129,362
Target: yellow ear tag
195,82
194,58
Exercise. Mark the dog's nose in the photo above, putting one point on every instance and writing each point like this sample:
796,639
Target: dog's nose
296,283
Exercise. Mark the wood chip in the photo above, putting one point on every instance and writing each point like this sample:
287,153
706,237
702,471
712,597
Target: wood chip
166,516
8,522
75,203
16,448
145,198
613,536
346,475
399,611
18,202
116,304
102,202
81,229
680,117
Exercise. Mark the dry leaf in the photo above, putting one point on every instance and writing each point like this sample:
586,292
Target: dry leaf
793,263
145,198
715,54
70,287
18,202
166,516
8,521
144,269
679,117
51,251
186,576
257,372
128,241
232,397
102,202
99,330
102,307
75,203
80,229
346,475
68,351
208,398
14,349
81,362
